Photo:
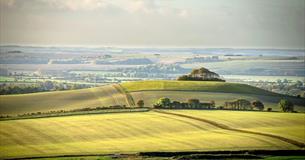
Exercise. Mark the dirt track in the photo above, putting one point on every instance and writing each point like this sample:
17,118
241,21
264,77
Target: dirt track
225,127
129,98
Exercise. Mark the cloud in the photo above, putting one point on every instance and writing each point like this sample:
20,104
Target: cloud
183,13
146,6
7,3
76,5
151,7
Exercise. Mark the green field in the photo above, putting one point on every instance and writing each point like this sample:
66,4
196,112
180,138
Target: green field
130,92
149,131
207,86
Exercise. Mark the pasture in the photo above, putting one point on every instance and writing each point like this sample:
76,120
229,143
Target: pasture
147,132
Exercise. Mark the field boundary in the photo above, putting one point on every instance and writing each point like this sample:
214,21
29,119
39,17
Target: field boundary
173,154
81,113
225,127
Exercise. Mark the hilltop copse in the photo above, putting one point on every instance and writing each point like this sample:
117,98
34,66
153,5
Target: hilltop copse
201,74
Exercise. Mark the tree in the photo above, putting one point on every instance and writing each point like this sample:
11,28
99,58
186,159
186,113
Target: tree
243,104
194,103
258,105
183,78
286,105
212,103
140,103
163,103
176,104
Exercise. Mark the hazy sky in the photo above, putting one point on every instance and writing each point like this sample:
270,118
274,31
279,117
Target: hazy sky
180,23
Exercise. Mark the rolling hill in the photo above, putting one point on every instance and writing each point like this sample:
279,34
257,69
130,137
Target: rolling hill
203,86
175,130
73,99
130,92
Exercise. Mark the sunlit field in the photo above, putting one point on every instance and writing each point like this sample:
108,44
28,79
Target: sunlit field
150,131
61,100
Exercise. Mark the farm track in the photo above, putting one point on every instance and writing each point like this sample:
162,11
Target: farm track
225,127
128,96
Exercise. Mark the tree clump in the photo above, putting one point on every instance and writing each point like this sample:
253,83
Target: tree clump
201,74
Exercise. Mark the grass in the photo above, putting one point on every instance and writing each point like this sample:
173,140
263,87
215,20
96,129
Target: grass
57,100
129,93
207,86
285,158
146,131
283,124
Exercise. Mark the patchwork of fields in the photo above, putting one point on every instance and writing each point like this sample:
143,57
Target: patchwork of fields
148,131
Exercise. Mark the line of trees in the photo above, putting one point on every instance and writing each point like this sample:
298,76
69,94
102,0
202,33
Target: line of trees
21,88
239,104
243,104
190,104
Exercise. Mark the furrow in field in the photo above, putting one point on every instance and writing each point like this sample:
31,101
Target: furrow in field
225,127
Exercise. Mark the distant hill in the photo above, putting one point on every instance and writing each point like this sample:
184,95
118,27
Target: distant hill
132,61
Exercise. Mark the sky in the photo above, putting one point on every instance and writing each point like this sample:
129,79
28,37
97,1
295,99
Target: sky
155,23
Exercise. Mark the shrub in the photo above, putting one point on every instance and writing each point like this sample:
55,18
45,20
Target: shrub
140,103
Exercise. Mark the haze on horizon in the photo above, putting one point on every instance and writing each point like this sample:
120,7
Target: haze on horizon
155,23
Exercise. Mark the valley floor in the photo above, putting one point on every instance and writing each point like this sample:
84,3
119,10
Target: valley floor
157,130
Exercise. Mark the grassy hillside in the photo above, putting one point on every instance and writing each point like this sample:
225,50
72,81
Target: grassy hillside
151,91
149,131
130,92
207,86
57,100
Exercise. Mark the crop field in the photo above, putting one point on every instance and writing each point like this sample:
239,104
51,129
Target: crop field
129,93
65,100
150,131
283,124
